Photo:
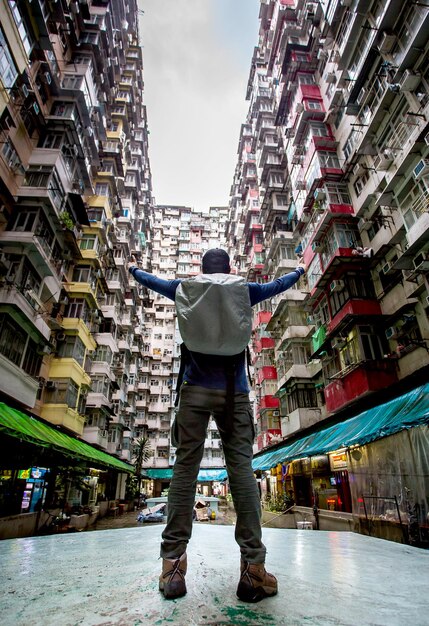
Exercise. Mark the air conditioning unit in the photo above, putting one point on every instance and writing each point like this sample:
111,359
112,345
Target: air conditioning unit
320,194
336,285
421,169
301,185
361,96
384,160
290,132
386,267
322,54
331,78
317,246
391,332
421,262
386,43
364,224
409,81
357,169
61,337
299,108
345,3
51,385
276,413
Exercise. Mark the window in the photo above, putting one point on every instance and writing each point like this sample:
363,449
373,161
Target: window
73,347
82,274
329,160
306,79
102,189
104,354
88,242
25,221
338,194
12,340
371,342
304,397
314,105
75,308
95,215
37,178
8,69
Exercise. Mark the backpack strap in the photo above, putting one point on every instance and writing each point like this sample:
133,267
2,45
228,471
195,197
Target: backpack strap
184,360
248,362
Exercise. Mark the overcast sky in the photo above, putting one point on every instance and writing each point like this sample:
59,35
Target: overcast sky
196,58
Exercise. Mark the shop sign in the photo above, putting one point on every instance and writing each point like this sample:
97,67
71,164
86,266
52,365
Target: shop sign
320,463
24,474
338,461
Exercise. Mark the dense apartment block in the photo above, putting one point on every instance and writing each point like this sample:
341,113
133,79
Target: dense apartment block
76,202
333,168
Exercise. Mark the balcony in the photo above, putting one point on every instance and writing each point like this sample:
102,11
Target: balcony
98,400
25,305
299,419
16,384
95,436
36,247
358,380
63,415
354,308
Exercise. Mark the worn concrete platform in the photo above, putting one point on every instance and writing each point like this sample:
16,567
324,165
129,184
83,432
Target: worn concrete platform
111,578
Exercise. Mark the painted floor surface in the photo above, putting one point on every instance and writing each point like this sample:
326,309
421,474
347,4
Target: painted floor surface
111,578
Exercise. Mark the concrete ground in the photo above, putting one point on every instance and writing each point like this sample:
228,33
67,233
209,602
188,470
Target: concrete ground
111,578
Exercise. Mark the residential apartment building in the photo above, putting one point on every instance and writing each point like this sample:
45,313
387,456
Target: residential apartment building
333,168
76,202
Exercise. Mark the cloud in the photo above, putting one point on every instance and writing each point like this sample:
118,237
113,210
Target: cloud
195,76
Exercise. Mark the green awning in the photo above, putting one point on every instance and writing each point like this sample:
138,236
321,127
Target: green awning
409,410
22,426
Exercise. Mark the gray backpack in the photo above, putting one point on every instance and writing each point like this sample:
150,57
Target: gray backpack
214,314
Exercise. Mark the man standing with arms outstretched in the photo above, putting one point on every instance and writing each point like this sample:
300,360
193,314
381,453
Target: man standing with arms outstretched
205,392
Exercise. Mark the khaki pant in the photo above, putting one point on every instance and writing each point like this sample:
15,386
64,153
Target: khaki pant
196,406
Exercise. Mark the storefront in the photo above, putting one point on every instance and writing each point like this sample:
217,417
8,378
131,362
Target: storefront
373,466
42,467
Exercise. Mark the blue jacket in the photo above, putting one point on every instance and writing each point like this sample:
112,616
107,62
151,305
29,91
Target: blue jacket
213,377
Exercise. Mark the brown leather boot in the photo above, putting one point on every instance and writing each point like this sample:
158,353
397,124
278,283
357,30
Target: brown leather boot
172,580
255,582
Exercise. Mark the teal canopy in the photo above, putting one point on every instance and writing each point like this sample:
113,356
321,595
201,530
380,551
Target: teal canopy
204,475
410,409
209,475
166,473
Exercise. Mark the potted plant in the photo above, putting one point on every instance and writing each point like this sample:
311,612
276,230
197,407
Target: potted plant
66,220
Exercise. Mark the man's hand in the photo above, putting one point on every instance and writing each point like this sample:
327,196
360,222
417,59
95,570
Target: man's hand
301,264
132,263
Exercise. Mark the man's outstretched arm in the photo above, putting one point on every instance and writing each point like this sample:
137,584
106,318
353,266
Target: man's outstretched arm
166,288
259,292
